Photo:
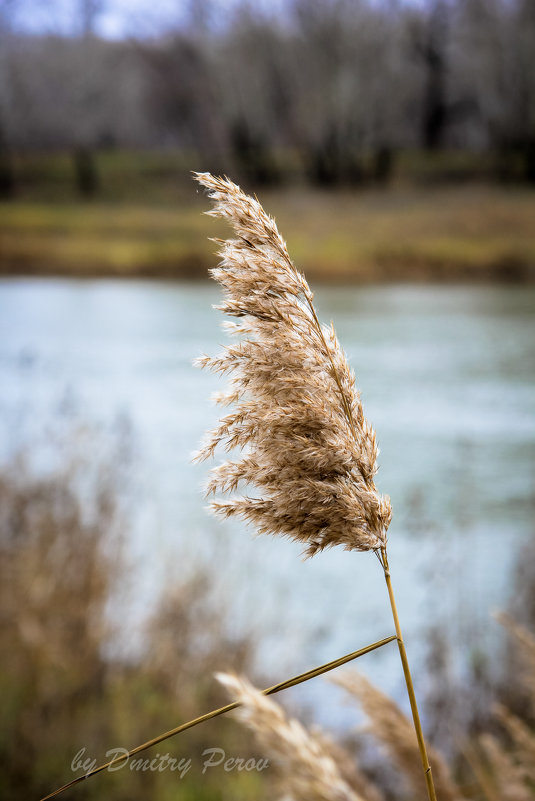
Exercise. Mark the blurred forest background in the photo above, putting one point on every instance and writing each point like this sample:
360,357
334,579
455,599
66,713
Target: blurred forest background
301,96
394,141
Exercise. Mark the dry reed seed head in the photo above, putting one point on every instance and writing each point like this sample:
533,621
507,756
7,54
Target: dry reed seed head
395,734
507,775
309,453
523,742
309,772
347,764
524,641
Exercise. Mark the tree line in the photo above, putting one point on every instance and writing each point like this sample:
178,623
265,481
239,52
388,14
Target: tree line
329,89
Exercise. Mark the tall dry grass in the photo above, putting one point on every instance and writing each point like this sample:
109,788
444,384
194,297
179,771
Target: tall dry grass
500,766
67,677
309,770
310,454
395,734
306,471
505,762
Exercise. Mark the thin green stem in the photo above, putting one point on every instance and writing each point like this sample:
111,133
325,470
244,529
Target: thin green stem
408,681
283,685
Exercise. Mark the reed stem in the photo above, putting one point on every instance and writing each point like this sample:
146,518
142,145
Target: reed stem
283,685
408,681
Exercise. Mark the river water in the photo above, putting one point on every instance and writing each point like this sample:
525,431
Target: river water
447,380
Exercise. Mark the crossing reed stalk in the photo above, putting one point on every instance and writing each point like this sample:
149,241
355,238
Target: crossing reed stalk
214,713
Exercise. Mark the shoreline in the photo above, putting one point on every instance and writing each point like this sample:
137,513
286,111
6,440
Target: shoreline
454,234
197,270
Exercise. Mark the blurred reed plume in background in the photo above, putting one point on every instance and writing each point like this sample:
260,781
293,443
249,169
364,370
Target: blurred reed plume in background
311,765
309,770
70,675
394,732
69,681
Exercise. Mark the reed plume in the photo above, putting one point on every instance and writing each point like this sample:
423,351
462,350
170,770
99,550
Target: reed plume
524,645
311,455
512,771
346,763
308,770
507,777
394,732
522,739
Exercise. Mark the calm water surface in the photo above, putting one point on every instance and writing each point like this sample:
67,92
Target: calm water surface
446,375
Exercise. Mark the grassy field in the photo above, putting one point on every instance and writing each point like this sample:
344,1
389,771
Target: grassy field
444,232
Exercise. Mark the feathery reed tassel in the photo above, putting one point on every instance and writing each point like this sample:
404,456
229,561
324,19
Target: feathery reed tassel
311,454
348,767
394,732
309,771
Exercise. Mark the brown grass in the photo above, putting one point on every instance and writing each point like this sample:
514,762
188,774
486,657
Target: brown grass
309,773
395,733
65,681
463,233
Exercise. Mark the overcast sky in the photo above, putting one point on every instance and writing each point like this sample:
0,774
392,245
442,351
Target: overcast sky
117,18
120,18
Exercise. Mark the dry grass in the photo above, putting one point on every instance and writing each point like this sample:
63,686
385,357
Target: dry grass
65,682
309,773
348,765
101,239
61,690
395,733
507,766
310,457
502,764
458,233
313,456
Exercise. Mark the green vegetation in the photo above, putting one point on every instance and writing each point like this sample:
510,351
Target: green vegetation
466,232
146,220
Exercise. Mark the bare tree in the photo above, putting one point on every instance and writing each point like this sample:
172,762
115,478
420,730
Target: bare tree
7,169
331,87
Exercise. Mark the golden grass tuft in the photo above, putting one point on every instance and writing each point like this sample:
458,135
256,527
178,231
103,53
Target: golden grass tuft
395,733
311,455
309,772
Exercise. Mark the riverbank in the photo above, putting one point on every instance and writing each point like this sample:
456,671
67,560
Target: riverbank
461,233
